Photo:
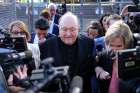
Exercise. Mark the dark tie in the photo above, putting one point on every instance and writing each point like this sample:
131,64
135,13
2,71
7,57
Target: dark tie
113,88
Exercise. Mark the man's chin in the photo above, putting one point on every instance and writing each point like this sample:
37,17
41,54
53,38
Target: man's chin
68,42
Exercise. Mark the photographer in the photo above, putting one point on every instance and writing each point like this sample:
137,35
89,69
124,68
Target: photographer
19,28
18,76
118,37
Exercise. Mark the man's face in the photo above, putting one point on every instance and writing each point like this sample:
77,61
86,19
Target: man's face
52,10
41,33
68,30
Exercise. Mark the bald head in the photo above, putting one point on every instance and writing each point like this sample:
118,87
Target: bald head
68,28
69,18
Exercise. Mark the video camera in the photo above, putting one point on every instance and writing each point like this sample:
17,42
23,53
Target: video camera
134,8
129,69
49,79
13,51
129,63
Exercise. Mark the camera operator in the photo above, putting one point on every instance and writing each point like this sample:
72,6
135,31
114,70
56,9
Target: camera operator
19,28
118,37
131,15
17,78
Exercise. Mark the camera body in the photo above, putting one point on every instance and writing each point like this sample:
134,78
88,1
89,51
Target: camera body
129,63
133,8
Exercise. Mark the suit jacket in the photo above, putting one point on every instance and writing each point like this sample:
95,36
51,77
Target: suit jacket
56,19
34,34
55,29
85,62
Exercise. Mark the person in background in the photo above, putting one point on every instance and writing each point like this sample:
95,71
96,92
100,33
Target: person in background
41,31
94,30
72,50
52,10
53,27
17,79
63,7
113,18
103,22
100,42
118,37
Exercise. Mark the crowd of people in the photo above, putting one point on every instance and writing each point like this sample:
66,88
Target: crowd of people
89,55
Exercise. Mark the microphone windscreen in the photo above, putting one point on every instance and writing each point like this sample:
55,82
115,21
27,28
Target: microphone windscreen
28,54
77,82
47,61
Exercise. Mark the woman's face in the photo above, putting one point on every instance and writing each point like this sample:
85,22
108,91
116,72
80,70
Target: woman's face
104,22
16,31
116,44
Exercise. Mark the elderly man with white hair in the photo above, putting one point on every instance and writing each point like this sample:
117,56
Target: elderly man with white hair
53,12
71,49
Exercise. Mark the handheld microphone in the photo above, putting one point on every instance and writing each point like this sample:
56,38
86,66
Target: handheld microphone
76,85
15,56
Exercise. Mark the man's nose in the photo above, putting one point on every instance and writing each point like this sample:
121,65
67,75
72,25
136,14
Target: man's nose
68,33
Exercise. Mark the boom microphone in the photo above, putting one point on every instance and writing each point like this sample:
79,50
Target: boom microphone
15,56
76,85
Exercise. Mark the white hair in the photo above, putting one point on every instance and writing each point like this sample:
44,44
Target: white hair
52,5
70,15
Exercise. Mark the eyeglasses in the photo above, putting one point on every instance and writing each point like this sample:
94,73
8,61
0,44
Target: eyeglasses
71,29
18,33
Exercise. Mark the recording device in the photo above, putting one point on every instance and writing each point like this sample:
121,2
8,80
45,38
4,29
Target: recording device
8,41
134,8
9,57
129,63
13,51
50,78
48,69
17,43
76,85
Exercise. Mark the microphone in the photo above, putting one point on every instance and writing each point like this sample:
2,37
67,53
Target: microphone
5,32
15,56
76,85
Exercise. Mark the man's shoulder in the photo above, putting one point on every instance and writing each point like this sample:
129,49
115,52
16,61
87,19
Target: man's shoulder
49,35
84,38
51,40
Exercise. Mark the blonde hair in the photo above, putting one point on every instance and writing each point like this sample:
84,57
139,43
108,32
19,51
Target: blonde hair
22,26
122,30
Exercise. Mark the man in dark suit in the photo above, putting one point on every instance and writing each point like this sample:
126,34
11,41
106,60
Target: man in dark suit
72,50
54,15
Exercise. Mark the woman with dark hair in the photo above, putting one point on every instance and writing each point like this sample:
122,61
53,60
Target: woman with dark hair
103,20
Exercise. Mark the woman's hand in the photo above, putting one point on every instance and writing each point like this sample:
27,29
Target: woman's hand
21,72
101,73
104,75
